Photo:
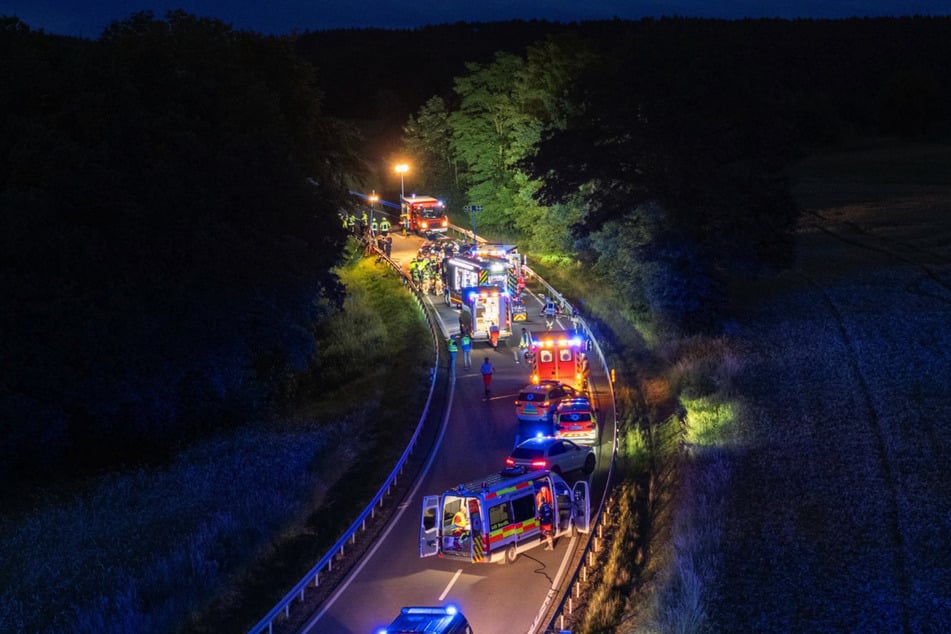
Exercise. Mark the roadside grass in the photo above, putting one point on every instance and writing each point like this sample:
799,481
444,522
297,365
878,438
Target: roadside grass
152,550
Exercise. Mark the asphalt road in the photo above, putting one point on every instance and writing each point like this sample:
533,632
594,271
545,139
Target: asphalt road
478,435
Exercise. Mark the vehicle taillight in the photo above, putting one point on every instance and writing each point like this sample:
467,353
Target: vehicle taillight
539,464
546,404
509,462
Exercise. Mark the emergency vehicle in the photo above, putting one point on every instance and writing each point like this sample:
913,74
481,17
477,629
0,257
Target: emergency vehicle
424,214
463,272
443,619
499,514
559,355
488,306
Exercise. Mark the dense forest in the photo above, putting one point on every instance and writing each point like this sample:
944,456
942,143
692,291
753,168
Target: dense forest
170,197
170,190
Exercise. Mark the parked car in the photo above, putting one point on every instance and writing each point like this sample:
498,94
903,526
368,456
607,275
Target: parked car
555,454
575,420
538,402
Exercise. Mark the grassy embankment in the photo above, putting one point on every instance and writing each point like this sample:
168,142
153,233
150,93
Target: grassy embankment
811,497
773,407
150,549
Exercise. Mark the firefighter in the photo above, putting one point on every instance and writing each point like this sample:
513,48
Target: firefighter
364,223
352,223
385,226
374,227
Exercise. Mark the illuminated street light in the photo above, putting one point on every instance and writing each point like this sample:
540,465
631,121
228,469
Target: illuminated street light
401,169
372,198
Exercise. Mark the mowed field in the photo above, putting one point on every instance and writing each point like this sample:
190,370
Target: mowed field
839,500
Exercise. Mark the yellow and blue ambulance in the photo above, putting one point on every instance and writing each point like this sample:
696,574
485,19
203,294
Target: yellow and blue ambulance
494,519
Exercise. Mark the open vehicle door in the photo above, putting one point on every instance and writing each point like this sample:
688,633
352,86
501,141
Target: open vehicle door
582,507
428,528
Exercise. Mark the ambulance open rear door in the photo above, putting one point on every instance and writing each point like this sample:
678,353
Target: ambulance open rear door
429,527
582,506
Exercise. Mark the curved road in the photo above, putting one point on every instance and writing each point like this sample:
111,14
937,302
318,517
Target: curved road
478,435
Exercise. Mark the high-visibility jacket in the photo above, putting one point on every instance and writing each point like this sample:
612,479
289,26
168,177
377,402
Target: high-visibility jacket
466,342
452,346
384,225
525,341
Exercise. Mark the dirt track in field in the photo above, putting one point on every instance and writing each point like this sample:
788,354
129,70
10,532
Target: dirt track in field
840,502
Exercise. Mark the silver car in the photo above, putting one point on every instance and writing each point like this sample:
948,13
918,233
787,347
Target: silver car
555,454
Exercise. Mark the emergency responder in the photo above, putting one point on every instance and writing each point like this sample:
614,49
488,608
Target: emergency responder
486,377
385,226
352,223
388,246
545,514
465,342
550,311
494,335
460,527
453,349
374,227
364,223
524,344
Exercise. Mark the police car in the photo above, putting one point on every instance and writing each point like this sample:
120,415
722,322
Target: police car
537,403
435,620
574,419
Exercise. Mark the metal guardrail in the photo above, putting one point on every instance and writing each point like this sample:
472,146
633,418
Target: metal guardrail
282,609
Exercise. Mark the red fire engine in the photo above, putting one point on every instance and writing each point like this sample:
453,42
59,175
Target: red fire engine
559,355
424,214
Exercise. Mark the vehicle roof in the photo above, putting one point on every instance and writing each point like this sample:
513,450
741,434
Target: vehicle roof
424,619
541,386
506,477
578,403
538,442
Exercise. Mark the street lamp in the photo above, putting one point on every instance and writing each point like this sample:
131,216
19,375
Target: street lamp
401,169
372,198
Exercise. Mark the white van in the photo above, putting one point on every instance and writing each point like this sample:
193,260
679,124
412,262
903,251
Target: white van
498,516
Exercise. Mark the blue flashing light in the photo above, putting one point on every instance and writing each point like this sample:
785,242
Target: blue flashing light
538,434
451,610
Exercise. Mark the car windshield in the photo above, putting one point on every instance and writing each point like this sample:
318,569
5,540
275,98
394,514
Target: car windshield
527,453
431,213
572,417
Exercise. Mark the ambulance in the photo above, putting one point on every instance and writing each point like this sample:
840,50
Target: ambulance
559,355
493,520
487,306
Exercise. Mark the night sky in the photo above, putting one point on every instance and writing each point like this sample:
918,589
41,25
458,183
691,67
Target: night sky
87,19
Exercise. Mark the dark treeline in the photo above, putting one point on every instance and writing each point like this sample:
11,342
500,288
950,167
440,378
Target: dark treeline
169,197
658,150
169,191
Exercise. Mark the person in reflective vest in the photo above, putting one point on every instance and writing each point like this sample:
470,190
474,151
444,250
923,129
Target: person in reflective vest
373,226
524,344
453,349
466,343
385,226
544,513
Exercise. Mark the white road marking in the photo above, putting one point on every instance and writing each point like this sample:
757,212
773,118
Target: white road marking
452,582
